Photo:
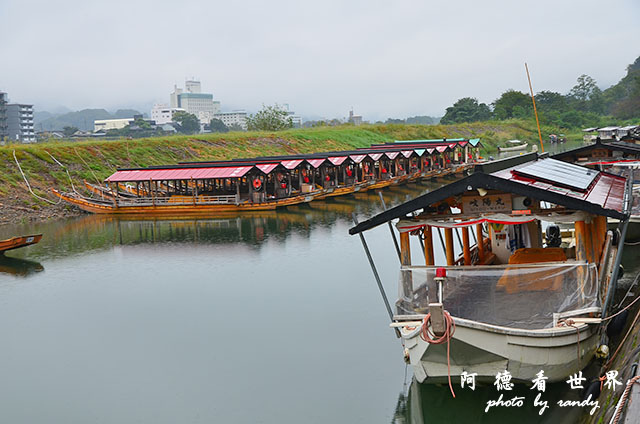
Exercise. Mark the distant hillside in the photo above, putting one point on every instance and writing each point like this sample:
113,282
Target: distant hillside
623,99
83,119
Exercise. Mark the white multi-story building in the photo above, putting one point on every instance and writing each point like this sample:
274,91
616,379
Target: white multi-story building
163,114
238,117
20,123
194,101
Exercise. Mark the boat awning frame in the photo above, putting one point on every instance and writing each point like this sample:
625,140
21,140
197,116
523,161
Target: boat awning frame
487,182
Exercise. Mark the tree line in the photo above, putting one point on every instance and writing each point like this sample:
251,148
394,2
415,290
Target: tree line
584,105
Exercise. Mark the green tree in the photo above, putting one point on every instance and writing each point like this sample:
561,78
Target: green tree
187,123
466,109
586,96
584,89
217,126
513,104
236,127
68,131
270,118
550,101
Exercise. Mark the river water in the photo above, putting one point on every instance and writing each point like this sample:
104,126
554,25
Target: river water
272,317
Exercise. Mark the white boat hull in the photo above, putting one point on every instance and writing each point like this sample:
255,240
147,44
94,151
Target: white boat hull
513,148
487,350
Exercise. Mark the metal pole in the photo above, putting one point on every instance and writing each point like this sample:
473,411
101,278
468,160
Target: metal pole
458,236
444,248
614,274
393,235
375,273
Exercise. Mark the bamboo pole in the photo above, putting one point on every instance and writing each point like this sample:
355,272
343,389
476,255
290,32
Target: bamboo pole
535,111
448,236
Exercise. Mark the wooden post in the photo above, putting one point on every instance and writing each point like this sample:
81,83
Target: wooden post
448,237
588,241
466,249
405,249
600,233
428,246
480,243
581,251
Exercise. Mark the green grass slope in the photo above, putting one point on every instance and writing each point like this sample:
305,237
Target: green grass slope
95,160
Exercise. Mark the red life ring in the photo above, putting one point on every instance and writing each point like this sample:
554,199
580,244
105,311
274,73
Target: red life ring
257,184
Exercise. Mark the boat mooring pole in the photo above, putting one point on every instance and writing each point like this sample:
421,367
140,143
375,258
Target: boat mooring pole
393,235
375,273
616,267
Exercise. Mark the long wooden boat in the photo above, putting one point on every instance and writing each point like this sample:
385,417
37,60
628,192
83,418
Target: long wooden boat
513,148
177,205
267,183
17,242
517,301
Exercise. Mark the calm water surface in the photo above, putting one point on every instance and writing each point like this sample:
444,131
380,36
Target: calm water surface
265,318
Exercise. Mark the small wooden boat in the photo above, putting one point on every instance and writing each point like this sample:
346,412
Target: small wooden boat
513,148
17,242
514,301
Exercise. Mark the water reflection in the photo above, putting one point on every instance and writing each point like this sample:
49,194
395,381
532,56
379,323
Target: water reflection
19,267
430,403
97,232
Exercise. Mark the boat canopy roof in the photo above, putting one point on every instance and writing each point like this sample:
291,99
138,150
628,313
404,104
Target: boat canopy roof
179,174
573,187
238,168
615,146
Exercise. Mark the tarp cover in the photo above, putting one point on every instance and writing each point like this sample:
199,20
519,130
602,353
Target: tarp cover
515,296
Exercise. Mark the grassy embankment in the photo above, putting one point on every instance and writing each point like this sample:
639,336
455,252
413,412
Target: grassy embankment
94,160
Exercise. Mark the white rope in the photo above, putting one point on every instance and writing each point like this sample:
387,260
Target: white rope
66,170
83,161
29,186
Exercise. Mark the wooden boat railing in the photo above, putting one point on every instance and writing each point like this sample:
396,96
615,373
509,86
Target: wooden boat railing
179,200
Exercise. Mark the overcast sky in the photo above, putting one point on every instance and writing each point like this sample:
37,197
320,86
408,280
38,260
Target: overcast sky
392,58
